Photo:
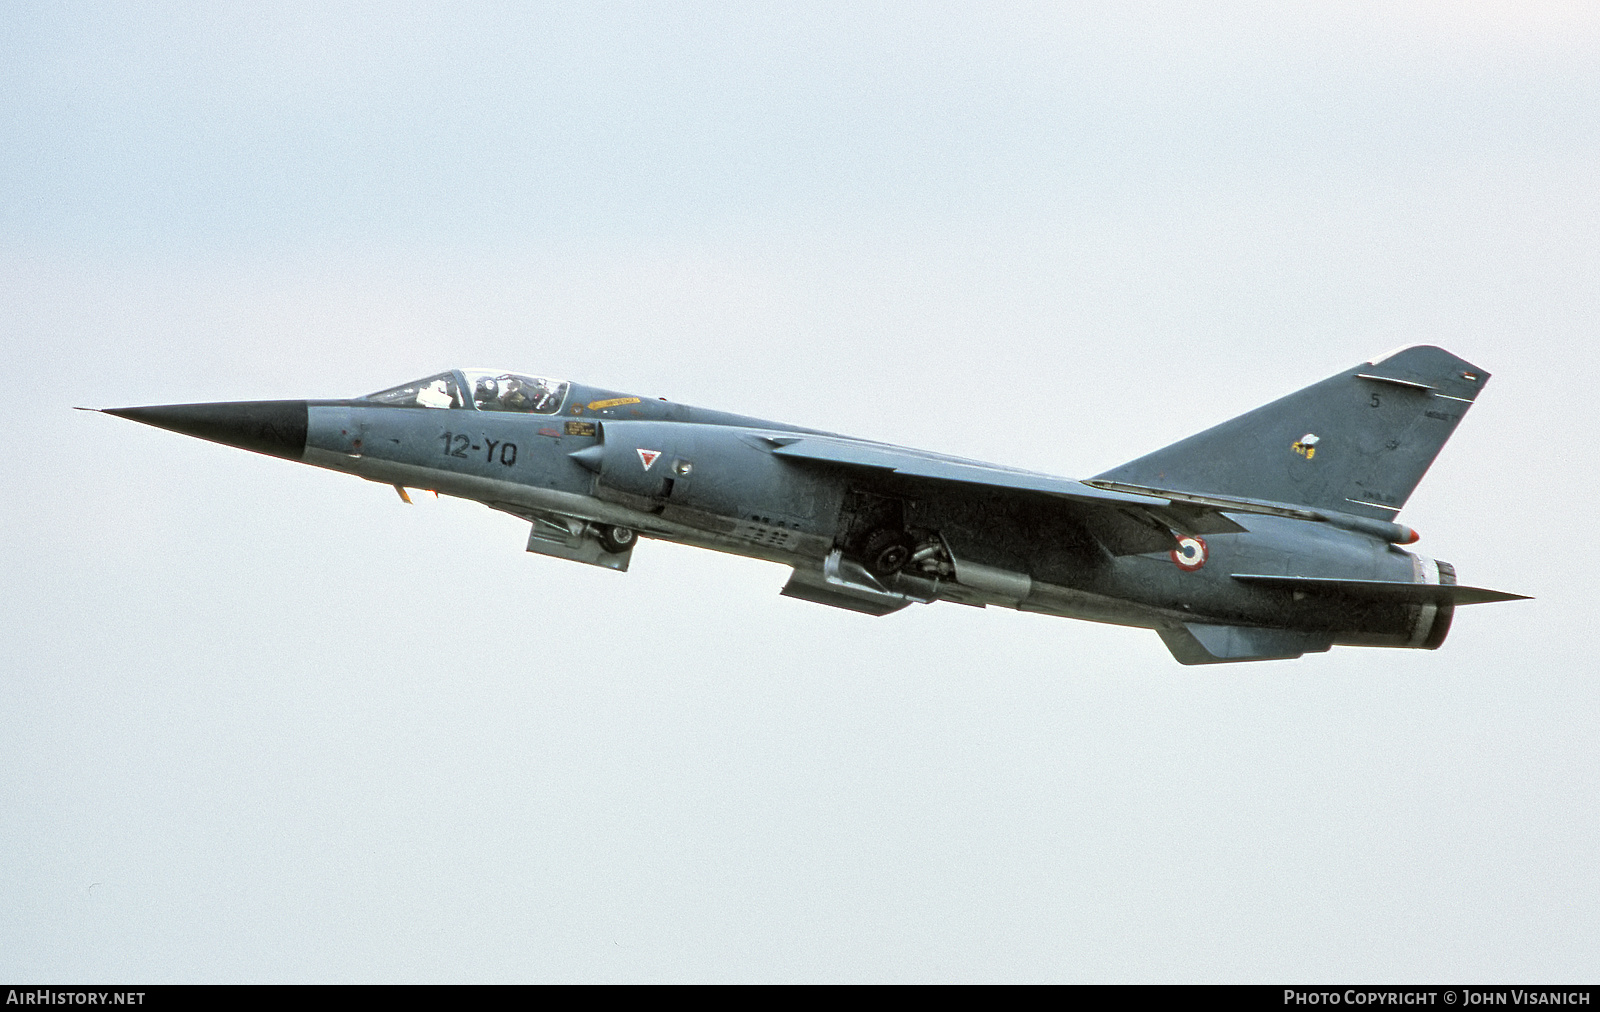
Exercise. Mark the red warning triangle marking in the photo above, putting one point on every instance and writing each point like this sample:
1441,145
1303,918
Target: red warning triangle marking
648,457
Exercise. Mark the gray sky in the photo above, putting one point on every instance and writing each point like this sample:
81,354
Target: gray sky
266,723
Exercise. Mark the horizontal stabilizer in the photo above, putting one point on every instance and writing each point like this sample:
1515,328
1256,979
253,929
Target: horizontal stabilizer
1402,593
1200,643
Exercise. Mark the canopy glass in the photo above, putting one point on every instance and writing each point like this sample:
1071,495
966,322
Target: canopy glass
491,390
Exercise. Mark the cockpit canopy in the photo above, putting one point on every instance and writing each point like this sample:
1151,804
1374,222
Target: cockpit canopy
490,390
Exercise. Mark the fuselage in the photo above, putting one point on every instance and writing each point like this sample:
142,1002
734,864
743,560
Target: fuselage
719,486
1269,536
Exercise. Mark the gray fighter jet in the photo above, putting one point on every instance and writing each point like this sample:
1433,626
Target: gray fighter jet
1268,536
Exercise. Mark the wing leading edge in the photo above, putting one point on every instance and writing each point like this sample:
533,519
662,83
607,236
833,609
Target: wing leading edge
915,464
1113,507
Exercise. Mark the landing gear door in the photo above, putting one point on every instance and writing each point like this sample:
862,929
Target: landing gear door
576,540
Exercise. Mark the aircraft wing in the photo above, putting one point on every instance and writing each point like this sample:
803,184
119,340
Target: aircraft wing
915,464
1113,509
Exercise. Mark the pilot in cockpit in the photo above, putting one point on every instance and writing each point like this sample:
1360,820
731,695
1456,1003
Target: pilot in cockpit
516,396
511,392
543,396
487,392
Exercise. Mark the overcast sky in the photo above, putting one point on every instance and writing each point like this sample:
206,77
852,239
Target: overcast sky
261,722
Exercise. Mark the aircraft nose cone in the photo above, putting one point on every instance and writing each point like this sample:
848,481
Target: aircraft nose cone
273,427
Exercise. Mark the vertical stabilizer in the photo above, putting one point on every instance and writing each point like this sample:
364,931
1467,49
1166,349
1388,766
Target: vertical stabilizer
1358,442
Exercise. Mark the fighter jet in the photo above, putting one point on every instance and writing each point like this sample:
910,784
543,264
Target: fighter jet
1269,536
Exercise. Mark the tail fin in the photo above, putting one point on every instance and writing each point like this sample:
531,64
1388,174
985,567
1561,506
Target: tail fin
1358,442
